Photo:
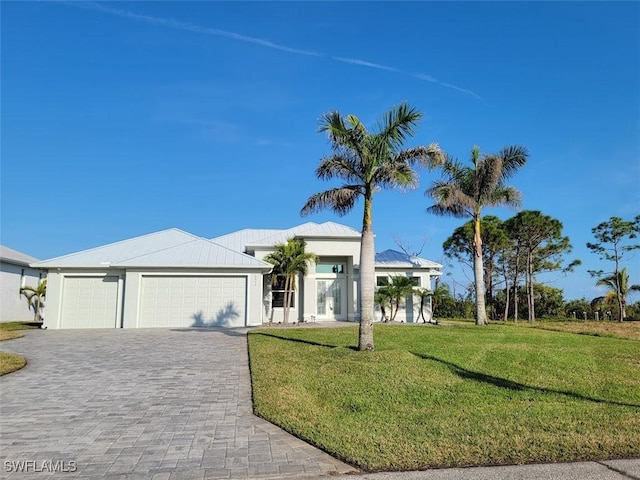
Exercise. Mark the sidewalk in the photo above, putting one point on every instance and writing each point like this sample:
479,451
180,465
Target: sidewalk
604,470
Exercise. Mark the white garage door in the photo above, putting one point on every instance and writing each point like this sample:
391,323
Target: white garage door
203,301
90,302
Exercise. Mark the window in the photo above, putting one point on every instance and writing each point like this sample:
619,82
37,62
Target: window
23,279
278,293
384,281
330,268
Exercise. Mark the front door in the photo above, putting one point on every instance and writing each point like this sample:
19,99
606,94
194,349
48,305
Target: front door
330,299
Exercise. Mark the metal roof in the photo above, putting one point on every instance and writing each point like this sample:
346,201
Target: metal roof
10,255
268,237
198,253
393,258
172,247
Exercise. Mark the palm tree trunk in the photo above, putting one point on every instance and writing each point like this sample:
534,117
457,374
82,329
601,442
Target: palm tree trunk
478,273
507,299
285,311
367,277
530,296
621,300
37,313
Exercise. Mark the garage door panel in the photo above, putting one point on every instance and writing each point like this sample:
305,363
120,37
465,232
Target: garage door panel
90,302
173,301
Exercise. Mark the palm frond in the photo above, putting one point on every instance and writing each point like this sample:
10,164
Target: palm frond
395,175
340,166
340,200
450,199
488,174
513,157
509,197
430,156
450,211
398,124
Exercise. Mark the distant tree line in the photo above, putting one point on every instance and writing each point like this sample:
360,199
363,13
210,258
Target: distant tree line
516,251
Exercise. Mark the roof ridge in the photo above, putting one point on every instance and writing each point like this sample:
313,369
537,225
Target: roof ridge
307,225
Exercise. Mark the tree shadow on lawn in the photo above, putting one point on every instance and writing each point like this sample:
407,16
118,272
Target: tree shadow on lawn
299,340
511,385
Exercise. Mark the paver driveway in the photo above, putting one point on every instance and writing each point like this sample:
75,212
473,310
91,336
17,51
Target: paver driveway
141,404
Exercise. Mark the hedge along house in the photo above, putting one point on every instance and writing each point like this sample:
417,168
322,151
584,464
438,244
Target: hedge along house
178,280
329,290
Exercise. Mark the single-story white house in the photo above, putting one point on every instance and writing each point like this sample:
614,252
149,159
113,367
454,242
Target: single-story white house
15,273
176,279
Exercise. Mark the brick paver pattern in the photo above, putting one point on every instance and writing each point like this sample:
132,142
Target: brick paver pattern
133,404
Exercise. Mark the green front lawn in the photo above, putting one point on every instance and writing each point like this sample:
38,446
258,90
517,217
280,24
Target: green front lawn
450,396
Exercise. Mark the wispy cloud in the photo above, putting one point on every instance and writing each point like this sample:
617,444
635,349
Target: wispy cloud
362,63
190,27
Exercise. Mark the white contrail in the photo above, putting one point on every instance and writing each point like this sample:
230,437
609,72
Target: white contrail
190,27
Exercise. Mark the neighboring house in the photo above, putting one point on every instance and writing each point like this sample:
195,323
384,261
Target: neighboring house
16,273
175,279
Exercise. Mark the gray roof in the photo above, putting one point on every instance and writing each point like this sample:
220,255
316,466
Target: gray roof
10,255
198,253
168,248
395,259
268,237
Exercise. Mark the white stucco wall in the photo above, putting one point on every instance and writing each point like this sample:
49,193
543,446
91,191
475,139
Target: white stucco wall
339,250
13,305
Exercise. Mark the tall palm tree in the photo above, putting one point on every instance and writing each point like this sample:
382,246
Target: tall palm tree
34,296
464,191
619,286
367,162
289,260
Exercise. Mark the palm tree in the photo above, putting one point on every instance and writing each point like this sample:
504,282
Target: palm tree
426,297
464,191
289,260
383,300
34,296
393,295
619,286
367,162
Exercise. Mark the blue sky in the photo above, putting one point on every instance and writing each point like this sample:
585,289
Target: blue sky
124,118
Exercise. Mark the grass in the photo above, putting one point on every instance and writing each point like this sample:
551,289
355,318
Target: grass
11,326
10,362
451,396
599,329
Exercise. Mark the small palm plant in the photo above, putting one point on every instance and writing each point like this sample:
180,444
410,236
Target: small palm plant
35,296
393,296
619,286
425,296
289,260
